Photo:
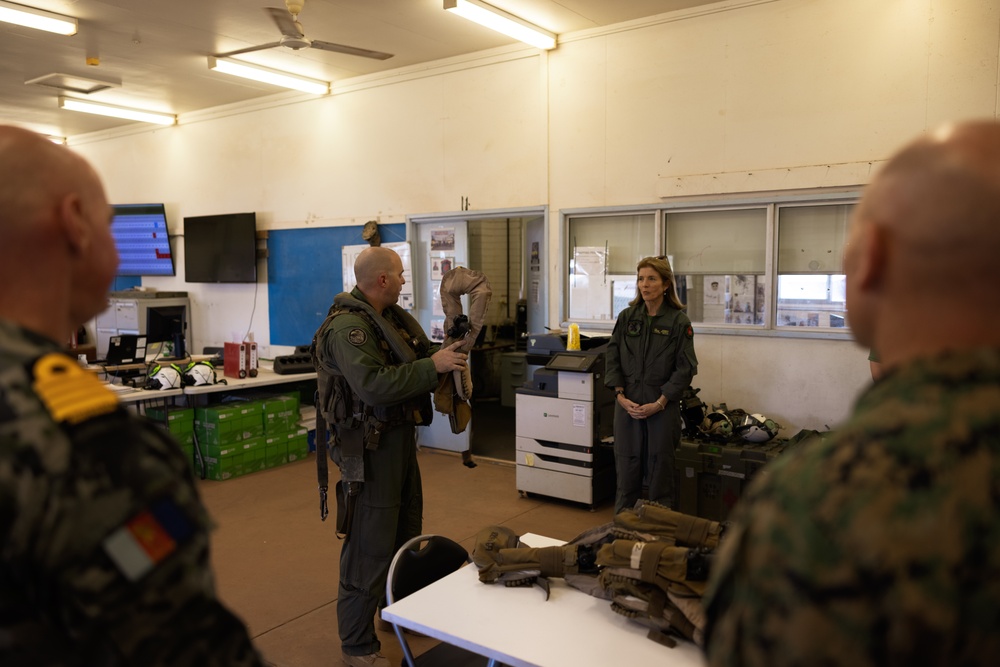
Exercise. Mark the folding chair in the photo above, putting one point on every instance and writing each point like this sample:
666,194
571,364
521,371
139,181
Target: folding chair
418,563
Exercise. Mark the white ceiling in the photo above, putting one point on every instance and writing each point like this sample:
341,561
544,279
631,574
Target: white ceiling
157,49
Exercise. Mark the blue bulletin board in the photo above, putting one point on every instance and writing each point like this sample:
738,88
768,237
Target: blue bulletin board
305,272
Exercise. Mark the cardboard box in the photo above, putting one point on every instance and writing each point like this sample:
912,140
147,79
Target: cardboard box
175,419
223,469
254,455
223,464
275,451
219,425
298,445
281,414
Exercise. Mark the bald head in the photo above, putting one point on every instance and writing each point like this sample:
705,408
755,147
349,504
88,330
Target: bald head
379,274
924,241
57,258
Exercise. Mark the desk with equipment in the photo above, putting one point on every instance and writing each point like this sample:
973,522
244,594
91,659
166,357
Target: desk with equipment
520,628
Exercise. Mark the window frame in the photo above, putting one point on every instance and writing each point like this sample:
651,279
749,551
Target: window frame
769,201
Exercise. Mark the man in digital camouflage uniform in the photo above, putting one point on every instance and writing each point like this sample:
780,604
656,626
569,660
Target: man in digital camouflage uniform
881,545
103,539
376,371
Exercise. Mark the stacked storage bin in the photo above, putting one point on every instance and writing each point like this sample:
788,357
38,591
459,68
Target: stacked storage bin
284,439
180,423
239,436
231,437
711,477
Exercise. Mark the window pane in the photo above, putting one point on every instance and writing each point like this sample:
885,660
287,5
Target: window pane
719,259
731,241
603,252
628,238
724,299
811,286
811,238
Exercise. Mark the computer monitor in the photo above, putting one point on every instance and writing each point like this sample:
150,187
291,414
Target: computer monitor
141,239
220,248
167,324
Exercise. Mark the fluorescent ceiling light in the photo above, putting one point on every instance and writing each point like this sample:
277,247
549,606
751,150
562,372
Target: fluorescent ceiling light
268,75
37,18
501,21
117,112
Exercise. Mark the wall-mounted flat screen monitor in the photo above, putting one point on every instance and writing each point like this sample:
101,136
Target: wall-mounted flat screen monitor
220,248
140,234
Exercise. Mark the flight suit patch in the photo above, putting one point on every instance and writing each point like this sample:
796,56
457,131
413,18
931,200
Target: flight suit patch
662,332
633,328
690,332
357,337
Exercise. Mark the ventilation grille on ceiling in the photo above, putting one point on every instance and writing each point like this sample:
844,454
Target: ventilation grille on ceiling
73,83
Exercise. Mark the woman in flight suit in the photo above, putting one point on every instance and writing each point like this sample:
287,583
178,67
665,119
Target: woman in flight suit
650,362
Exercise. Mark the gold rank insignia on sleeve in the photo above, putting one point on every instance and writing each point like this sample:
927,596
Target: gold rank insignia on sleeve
70,393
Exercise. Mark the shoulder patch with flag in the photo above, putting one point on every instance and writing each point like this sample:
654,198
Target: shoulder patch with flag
148,538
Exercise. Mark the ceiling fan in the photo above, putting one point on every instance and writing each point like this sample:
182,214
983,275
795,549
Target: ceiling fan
293,37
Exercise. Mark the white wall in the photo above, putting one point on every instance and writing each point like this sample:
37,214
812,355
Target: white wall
737,97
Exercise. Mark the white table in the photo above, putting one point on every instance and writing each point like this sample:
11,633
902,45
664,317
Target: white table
519,628
265,377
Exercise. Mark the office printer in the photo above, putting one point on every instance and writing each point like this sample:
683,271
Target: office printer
563,413
549,343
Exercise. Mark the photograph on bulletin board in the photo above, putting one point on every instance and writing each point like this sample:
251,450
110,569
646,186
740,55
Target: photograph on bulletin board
441,265
437,331
741,292
443,239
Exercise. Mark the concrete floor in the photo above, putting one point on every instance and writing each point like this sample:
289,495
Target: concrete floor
276,563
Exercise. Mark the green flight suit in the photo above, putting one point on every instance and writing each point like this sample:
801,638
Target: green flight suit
649,357
390,507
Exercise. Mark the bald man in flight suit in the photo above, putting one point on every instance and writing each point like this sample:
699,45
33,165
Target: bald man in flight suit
377,370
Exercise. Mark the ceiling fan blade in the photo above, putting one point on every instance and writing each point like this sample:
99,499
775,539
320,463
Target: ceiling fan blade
350,50
286,24
249,49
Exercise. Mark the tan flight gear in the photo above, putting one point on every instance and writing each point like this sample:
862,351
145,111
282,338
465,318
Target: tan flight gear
650,562
665,523
455,389
371,234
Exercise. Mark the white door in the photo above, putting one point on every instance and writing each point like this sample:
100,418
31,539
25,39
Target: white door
437,247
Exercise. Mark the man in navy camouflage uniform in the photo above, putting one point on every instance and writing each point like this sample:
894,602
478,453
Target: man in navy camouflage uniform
390,368
881,546
103,539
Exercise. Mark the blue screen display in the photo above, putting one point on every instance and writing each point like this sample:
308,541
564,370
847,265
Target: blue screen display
140,233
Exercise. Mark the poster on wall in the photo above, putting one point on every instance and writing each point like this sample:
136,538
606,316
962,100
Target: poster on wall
715,287
443,239
741,291
441,265
350,255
